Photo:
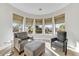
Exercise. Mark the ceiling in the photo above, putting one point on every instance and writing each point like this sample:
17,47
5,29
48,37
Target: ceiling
39,8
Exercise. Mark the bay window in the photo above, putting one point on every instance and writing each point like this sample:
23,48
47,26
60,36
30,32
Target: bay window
38,25
48,26
29,25
60,23
17,23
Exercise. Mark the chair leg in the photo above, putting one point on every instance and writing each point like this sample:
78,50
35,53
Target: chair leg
20,53
65,53
51,45
24,54
63,48
66,49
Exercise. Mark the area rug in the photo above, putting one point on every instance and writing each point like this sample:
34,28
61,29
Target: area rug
15,53
48,52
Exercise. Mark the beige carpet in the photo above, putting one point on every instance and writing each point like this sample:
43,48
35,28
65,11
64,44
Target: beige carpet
48,52
15,53
59,51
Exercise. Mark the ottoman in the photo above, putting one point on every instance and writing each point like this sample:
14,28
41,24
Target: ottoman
35,48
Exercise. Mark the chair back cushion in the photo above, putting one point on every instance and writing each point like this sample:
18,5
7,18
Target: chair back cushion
61,36
21,35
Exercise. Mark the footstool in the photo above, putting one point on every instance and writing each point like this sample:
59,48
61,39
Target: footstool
35,48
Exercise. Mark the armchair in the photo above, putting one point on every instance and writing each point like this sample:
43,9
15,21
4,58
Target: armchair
60,41
20,39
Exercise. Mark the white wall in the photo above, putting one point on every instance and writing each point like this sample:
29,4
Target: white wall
72,22
5,26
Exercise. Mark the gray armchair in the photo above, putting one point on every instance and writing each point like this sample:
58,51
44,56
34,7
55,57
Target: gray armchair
60,41
20,39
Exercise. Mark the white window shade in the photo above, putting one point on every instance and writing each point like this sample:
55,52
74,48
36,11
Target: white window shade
29,21
17,23
59,19
17,19
48,21
38,21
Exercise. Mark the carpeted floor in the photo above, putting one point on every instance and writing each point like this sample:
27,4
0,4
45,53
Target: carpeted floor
15,53
48,51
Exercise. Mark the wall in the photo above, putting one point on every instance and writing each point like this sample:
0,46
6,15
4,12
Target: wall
5,26
72,22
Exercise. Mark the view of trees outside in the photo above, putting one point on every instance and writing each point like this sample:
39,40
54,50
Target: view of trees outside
59,23
48,29
29,29
29,25
17,27
17,23
60,27
48,25
38,28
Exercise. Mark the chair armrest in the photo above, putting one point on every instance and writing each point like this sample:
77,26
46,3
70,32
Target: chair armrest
53,39
30,38
65,41
18,39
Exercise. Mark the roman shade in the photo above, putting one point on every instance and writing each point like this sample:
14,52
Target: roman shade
59,19
29,21
17,18
38,21
48,21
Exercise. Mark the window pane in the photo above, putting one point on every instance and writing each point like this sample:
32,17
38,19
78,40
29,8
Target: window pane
17,23
48,29
29,29
48,25
38,27
59,23
17,27
60,27
29,25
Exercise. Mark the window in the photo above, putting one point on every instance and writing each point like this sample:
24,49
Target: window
59,23
38,25
48,26
17,23
60,27
29,25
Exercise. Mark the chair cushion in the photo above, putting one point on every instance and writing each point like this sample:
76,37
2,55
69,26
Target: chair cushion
34,45
21,35
57,44
35,48
61,36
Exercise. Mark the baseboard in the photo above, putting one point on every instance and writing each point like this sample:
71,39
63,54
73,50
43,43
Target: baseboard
3,48
72,49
